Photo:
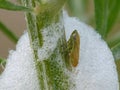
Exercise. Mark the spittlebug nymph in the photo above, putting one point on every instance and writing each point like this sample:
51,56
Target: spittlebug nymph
73,47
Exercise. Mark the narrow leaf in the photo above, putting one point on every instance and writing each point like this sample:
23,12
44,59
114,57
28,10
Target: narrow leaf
118,68
101,8
2,63
106,12
1,60
114,40
116,51
114,44
8,32
4,4
114,7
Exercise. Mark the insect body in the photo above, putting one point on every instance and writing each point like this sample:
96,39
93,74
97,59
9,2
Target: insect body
73,47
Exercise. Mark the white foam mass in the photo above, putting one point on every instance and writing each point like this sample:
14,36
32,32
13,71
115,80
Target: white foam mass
51,35
20,72
96,69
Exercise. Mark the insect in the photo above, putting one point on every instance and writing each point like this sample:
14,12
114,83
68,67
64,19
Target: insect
73,47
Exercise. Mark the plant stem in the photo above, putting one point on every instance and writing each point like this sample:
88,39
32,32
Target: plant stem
47,38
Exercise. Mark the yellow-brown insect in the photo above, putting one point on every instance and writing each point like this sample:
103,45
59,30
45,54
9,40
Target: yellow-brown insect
73,47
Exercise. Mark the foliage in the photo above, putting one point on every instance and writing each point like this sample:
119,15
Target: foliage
4,4
106,13
8,32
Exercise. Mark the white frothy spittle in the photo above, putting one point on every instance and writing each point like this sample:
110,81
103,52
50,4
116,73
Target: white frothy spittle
96,69
20,72
51,34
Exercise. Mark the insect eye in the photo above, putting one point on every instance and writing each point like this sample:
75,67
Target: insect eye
74,36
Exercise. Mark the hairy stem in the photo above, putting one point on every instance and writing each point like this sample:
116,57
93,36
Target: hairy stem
47,38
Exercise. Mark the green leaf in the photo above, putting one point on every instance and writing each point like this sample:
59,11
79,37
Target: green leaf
8,32
1,60
2,63
114,6
114,44
112,41
106,12
116,51
118,68
4,4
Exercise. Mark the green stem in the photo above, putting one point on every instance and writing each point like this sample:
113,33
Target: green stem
44,25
